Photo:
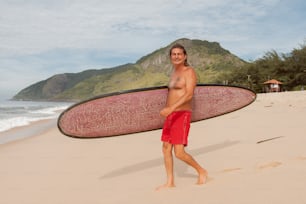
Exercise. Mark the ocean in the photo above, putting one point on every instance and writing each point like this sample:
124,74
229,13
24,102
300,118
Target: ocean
20,113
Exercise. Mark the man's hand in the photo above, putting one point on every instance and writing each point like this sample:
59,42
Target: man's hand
166,111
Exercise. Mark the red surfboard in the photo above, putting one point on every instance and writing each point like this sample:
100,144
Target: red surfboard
138,110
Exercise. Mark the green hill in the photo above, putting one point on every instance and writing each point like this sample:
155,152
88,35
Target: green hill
209,60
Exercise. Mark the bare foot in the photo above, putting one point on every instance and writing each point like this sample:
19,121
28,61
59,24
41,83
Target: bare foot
165,186
202,177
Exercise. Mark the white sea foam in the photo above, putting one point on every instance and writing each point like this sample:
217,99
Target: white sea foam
51,110
17,113
6,124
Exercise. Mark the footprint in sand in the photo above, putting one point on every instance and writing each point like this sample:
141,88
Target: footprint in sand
301,158
269,165
230,170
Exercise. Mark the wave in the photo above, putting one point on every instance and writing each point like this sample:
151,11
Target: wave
7,124
15,114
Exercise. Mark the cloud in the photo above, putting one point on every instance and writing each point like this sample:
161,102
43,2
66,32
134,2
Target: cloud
94,24
42,38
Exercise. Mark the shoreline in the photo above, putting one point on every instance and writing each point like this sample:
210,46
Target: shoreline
26,131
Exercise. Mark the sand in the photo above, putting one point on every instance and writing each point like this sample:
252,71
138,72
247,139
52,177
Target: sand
254,155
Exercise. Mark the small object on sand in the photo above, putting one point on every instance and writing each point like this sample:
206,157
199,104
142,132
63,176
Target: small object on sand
266,140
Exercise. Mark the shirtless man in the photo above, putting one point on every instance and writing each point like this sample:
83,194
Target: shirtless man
178,114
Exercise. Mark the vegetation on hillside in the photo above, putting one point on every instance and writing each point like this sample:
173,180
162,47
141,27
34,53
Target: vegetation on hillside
290,69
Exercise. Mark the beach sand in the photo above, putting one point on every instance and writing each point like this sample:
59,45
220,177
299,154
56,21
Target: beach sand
253,155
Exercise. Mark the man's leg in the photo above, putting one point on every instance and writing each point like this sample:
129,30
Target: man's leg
180,153
168,160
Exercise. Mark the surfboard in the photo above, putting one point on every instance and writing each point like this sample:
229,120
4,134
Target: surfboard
134,111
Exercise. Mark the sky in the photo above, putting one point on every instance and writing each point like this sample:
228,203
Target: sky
41,38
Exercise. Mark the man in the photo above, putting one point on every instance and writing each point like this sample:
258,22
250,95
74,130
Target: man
178,114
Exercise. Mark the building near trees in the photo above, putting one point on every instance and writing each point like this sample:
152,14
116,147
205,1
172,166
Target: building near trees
272,86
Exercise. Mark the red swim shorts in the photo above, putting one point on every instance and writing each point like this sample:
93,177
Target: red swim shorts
176,128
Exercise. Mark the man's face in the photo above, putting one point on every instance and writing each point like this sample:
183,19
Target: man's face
177,56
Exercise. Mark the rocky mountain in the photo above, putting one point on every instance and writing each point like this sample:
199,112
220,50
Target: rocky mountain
209,60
